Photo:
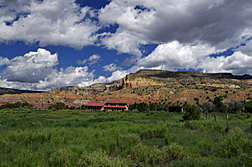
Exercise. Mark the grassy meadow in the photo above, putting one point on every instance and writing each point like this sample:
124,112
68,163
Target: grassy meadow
113,139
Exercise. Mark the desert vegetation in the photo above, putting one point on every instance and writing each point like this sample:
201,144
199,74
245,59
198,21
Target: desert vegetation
35,137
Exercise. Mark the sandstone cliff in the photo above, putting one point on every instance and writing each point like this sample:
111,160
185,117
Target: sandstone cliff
130,81
89,90
135,82
144,78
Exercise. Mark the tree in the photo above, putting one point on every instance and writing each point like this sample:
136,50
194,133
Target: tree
196,100
153,106
248,106
235,106
142,107
206,107
139,106
16,105
192,112
218,104
59,106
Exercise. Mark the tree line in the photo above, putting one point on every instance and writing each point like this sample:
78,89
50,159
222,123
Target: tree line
217,105
16,105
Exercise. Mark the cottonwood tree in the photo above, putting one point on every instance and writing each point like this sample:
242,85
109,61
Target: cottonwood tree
235,106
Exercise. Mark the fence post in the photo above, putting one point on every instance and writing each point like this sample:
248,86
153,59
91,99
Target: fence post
227,124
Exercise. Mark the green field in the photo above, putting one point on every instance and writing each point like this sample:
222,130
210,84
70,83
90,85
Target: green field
82,138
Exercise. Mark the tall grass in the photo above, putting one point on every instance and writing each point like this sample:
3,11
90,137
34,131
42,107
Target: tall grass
82,138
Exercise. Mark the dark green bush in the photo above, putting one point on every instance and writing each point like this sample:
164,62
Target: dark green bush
218,104
143,107
174,151
235,106
248,106
58,106
16,105
192,112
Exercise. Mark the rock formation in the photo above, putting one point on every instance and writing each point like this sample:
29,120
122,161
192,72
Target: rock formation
90,90
144,78
126,82
139,81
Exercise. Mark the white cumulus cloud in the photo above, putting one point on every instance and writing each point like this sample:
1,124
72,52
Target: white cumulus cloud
218,23
37,70
91,60
111,67
32,67
47,22
4,61
174,55
238,63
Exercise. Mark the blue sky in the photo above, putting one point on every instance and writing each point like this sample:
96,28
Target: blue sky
47,43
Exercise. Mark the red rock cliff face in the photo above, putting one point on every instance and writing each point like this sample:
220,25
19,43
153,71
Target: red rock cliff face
138,82
126,82
89,90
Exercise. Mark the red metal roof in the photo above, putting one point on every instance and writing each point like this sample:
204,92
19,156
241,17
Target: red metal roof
92,104
116,103
121,107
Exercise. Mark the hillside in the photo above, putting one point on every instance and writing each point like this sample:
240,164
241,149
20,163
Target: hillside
180,87
150,86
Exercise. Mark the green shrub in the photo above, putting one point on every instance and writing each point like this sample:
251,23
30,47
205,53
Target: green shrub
158,142
151,132
157,156
60,158
58,106
192,112
141,153
235,144
98,159
248,106
209,125
219,106
24,158
205,162
174,151
168,153
205,147
4,143
235,106
153,155
169,138
36,124
127,141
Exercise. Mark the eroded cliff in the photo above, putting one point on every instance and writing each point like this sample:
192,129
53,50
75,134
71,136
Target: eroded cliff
130,81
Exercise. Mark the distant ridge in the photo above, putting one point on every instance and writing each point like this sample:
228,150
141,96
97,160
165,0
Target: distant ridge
148,77
176,74
16,91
